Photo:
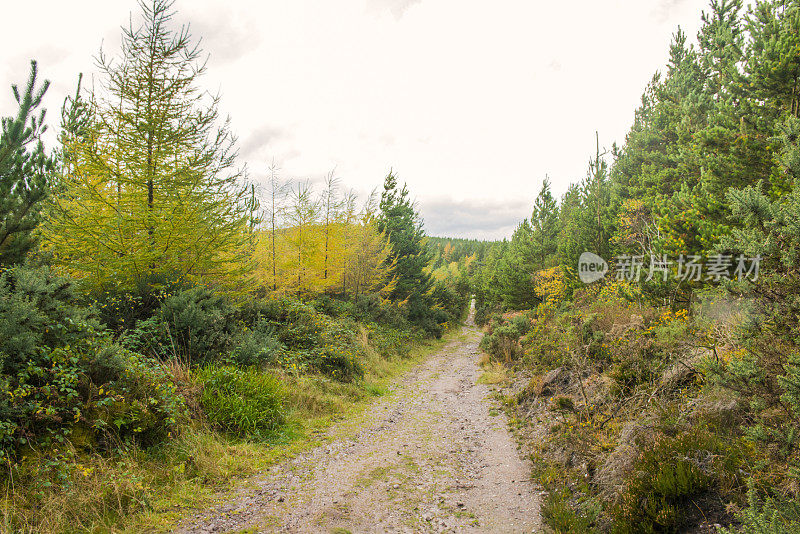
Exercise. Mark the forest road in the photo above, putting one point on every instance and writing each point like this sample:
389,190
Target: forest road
435,455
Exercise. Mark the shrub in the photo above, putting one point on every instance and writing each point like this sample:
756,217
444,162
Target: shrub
768,516
197,325
96,394
390,341
331,306
38,312
503,341
245,403
201,323
669,474
560,515
451,301
120,309
372,308
339,363
141,403
257,346
62,376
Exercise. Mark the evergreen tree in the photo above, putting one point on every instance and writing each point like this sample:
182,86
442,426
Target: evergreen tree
25,172
544,226
588,217
400,222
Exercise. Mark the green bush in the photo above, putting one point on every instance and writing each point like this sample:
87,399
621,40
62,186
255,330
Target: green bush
141,403
332,307
38,312
672,471
561,517
197,325
201,323
95,393
503,341
768,516
257,346
245,403
390,341
372,309
452,301
121,309
340,363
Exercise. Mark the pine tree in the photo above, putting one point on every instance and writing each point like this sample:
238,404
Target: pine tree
400,222
544,226
25,172
588,217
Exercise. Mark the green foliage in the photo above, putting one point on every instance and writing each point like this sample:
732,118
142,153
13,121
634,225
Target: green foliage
200,324
768,516
24,172
671,471
391,341
246,403
560,515
149,183
371,308
401,223
257,346
38,312
61,372
502,341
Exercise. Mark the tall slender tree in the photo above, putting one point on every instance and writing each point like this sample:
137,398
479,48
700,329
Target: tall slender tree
25,172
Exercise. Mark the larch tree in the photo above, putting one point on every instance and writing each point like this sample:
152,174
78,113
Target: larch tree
275,201
150,188
302,218
369,264
331,206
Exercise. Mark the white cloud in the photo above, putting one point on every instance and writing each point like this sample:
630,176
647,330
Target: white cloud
468,101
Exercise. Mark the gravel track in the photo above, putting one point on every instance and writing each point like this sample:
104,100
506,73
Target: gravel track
434,456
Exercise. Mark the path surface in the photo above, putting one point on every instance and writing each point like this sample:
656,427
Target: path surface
435,456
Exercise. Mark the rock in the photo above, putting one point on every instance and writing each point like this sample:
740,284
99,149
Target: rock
553,382
720,411
682,371
619,464
636,322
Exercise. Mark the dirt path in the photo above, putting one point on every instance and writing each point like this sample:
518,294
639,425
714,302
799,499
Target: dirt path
434,456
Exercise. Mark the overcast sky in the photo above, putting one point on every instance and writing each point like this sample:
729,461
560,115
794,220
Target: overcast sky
471,102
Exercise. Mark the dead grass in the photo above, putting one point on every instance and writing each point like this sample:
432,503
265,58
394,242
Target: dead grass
494,373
